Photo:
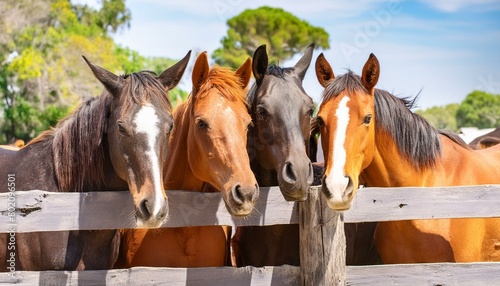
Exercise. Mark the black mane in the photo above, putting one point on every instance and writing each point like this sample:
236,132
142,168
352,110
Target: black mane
415,138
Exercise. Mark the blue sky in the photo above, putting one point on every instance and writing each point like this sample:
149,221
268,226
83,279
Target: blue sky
445,49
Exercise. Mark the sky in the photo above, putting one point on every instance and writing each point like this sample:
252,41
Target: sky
442,49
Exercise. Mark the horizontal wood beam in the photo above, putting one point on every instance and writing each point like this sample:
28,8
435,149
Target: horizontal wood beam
49,211
243,276
484,273
388,204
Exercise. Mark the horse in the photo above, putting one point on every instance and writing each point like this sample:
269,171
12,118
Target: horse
116,141
277,144
208,147
360,246
487,140
373,137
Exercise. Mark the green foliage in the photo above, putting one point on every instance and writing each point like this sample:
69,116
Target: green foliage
42,76
284,34
479,109
158,65
441,117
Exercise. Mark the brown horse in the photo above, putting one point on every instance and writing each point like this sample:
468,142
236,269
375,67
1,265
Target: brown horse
208,152
487,140
372,136
281,111
117,141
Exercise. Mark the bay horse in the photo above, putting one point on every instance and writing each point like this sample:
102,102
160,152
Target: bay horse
371,136
487,140
208,147
277,144
117,141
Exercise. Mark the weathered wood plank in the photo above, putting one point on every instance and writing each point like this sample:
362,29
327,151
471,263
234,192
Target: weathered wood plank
386,204
48,211
245,276
322,242
464,274
402,274
39,211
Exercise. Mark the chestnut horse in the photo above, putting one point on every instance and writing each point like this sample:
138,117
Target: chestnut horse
117,141
208,147
281,111
369,135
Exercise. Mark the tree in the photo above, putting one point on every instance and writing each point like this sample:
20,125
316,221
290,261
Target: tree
479,109
441,117
42,74
158,65
284,34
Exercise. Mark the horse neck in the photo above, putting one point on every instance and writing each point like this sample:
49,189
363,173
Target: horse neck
264,177
178,173
389,168
111,181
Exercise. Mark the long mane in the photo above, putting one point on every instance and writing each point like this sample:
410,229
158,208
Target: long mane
77,140
415,138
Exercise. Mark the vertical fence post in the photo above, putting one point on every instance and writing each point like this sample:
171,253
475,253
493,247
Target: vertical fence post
322,242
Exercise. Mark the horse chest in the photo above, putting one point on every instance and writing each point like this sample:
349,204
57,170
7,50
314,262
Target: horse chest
188,241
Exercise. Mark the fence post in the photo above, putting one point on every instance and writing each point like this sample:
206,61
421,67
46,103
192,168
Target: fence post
322,242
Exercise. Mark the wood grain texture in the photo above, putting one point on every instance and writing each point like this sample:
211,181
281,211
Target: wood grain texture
230,276
408,274
464,274
322,242
386,204
44,211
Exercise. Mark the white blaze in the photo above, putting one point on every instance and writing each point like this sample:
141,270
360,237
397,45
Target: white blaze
146,121
336,182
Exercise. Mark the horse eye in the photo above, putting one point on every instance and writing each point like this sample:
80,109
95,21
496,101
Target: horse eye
201,124
170,128
310,112
367,119
262,112
121,127
320,121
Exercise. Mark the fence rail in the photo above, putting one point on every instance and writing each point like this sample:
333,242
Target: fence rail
48,211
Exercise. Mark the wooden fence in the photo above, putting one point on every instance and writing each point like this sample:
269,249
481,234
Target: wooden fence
322,236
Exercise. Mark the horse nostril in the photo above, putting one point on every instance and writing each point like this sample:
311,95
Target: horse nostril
145,208
289,174
310,177
350,186
238,195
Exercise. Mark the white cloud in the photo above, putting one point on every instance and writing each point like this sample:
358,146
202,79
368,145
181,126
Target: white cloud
456,5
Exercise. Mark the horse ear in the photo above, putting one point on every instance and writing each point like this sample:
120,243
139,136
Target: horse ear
111,82
200,71
171,76
245,73
371,72
303,64
259,63
324,71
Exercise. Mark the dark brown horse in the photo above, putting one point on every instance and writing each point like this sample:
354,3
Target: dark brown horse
281,111
117,141
208,146
487,140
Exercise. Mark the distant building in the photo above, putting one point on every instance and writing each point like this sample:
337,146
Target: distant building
470,133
